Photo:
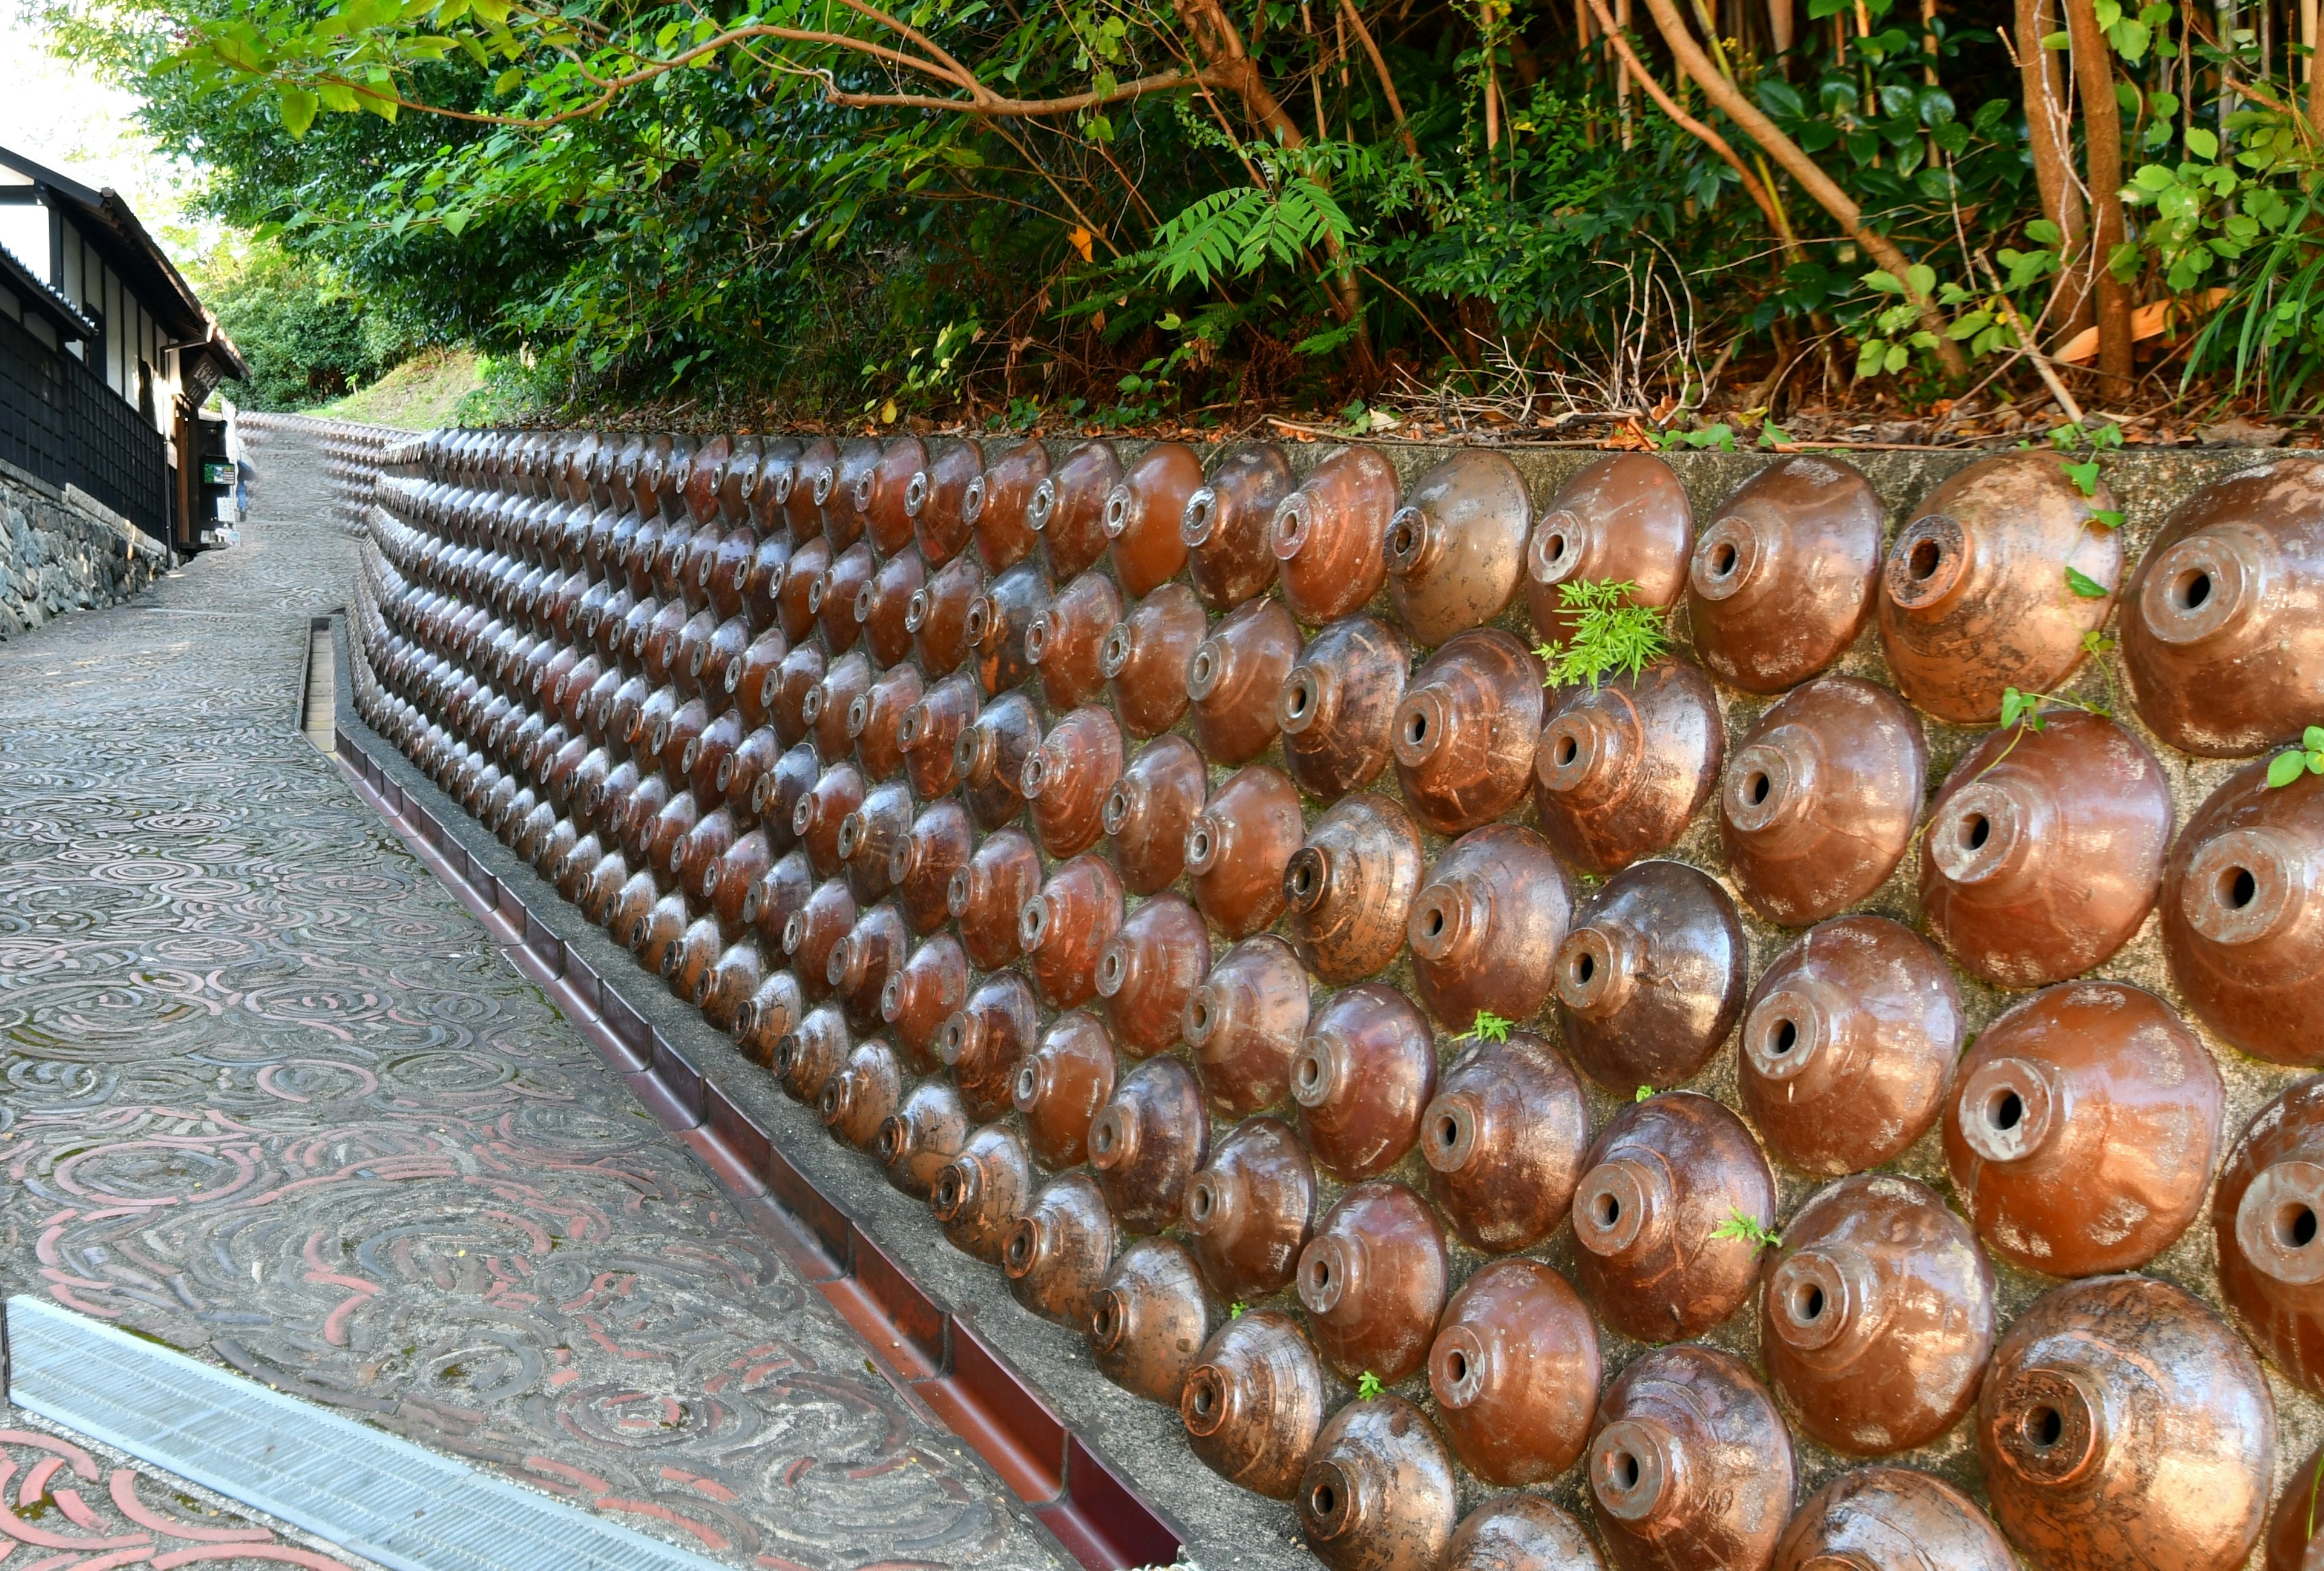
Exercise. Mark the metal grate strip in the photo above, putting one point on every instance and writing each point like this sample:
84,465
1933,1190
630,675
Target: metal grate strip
374,1493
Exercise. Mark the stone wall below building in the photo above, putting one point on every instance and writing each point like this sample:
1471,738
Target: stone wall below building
63,551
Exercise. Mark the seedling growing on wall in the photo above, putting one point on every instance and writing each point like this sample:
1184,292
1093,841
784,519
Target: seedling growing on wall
1611,632
2286,766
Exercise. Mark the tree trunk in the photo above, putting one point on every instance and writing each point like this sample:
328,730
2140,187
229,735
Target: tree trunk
2051,138
2102,160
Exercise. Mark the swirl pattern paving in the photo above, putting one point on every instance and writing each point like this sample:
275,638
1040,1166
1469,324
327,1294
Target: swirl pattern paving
269,1095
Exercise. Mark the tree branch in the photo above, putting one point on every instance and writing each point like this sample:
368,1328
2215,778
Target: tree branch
1731,102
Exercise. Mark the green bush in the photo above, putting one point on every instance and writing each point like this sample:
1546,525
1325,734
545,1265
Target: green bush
307,338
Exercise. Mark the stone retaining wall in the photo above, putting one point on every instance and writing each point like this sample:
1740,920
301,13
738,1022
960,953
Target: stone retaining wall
64,551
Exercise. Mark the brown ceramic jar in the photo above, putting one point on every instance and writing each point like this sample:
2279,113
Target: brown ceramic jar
2291,1536
813,1052
997,621
800,673
1146,656
1149,1321
923,1136
802,507
1378,1492
930,735
1783,579
883,606
1652,976
883,493
1690,1467
1068,508
1060,1086
2264,1223
1621,519
1142,513
1350,887
1364,1077
1147,1143
1521,1532
1374,1280
921,995
871,836
935,499
843,502
2082,1128
855,1101
1504,1138
989,757
1337,707
825,709
996,502
937,616
1515,1372
2243,915
2223,629
1487,927
861,962
1891,1519
1456,548
921,865
875,721
1064,927
1057,1253
2044,849
761,1023
1330,537
837,794
1238,845
1465,733
1974,597
1249,1208
835,600
1877,1315
1622,768
1148,971
2123,1425
1067,779
1661,1257
1227,525
980,1193
814,931
778,895
1254,1401
1821,798
1245,1022
1065,641
1848,1046
1151,808
1234,676
986,1039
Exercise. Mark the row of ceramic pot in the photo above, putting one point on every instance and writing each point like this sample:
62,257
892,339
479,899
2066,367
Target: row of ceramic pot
1996,579
861,841
1876,1307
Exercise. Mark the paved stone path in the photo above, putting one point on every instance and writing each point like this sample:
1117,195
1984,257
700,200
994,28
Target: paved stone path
268,1094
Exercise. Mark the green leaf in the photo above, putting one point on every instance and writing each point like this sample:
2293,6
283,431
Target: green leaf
1645,1093
1235,1310
297,106
1488,1027
2106,517
2203,143
2285,768
2042,232
1885,282
2085,476
1367,1386
2313,739
2083,584
1750,1230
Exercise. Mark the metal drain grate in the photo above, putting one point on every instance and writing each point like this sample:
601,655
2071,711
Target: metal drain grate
363,1490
